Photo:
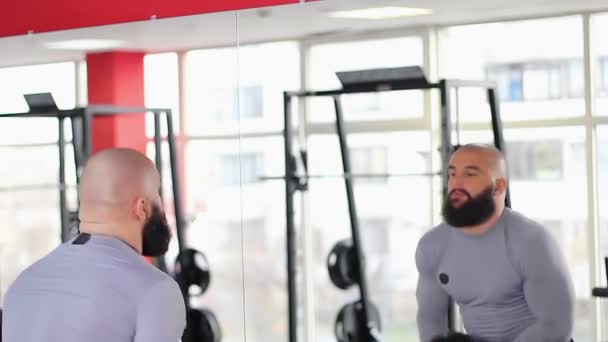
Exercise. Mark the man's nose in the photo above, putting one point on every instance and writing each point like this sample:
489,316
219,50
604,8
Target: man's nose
455,182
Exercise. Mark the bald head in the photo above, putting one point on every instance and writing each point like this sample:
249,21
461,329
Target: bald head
118,187
119,196
116,176
489,156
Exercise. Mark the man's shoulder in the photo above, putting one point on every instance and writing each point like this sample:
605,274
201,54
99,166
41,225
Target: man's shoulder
431,246
31,274
161,287
527,236
523,228
436,235
151,274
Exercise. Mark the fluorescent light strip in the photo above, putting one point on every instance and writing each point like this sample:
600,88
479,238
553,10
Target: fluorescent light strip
381,13
84,44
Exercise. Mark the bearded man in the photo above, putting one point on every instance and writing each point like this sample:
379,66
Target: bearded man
505,271
98,287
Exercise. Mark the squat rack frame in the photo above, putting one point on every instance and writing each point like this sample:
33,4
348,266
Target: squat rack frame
82,137
295,182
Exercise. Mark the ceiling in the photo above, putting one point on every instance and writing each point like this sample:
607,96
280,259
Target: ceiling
305,20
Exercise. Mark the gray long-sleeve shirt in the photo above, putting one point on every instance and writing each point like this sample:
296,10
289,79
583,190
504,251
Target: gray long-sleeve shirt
99,291
510,283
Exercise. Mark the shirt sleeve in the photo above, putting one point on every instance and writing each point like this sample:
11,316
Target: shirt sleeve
161,314
548,289
433,301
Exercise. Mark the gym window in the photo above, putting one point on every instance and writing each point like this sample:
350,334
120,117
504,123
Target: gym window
245,168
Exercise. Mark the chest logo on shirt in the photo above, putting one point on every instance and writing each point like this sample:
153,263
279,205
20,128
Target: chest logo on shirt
444,278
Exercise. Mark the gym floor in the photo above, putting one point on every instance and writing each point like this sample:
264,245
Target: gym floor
223,76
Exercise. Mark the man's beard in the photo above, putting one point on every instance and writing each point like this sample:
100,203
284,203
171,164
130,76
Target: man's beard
475,211
156,234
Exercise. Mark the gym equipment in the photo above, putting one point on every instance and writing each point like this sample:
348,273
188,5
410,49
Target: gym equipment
366,81
351,320
356,175
601,292
42,105
192,269
205,325
202,326
342,265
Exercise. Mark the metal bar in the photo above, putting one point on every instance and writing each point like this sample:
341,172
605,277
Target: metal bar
290,189
77,145
35,187
308,253
177,199
470,83
235,135
32,145
65,227
98,110
382,87
356,175
39,114
394,86
354,219
111,110
540,123
446,130
161,264
497,130
457,112
392,125
158,149
87,134
446,150
591,147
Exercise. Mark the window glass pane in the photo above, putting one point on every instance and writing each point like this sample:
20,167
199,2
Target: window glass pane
602,174
225,193
327,59
22,165
599,25
216,101
390,228
214,227
264,240
29,202
33,230
536,84
161,87
538,77
59,79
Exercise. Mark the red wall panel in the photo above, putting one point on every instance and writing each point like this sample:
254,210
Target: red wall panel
20,16
117,78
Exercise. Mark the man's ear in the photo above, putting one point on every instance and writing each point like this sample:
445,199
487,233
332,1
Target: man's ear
500,186
140,209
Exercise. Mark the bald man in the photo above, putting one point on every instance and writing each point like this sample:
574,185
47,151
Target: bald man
98,287
505,271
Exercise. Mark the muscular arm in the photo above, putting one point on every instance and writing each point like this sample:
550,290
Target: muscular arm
161,314
433,302
548,290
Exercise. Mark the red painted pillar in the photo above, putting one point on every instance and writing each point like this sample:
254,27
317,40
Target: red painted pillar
117,78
